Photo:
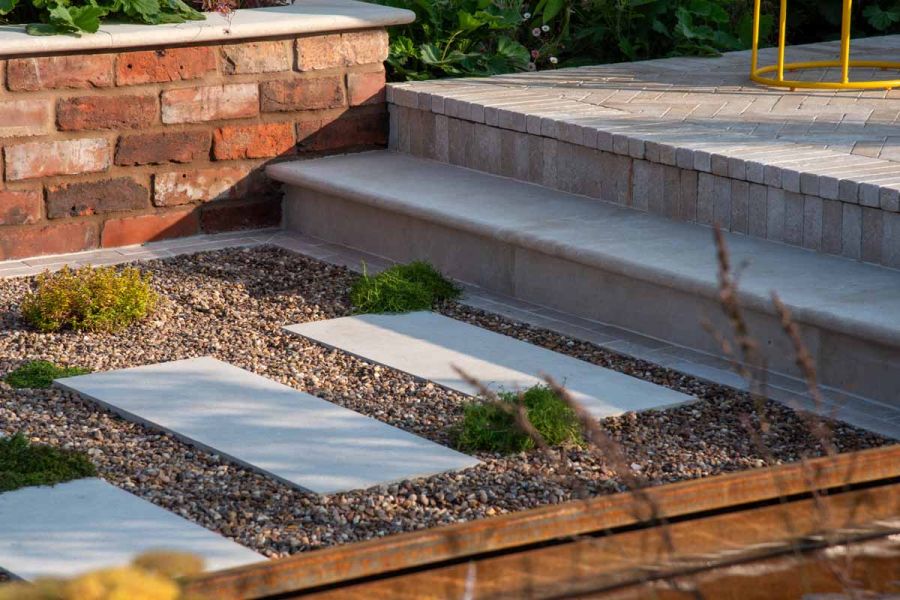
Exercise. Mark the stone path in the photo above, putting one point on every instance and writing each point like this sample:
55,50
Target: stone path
286,434
88,524
854,409
429,345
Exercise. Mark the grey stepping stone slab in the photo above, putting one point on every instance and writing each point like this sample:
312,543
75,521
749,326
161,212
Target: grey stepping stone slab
428,345
292,436
88,524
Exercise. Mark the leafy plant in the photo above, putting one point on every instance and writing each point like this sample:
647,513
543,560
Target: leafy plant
151,576
25,464
92,299
486,426
457,38
48,17
478,37
39,374
401,288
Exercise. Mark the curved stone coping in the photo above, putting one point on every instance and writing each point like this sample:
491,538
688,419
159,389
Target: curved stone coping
834,293
301,17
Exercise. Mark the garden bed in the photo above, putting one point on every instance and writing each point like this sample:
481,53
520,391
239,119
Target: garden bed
232,304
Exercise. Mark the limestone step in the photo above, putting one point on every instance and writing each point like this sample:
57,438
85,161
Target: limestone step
292,436
601,261
431,347
686,138
88,524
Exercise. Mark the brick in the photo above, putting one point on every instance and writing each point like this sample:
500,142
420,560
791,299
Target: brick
364,47
832,226
319,52
813,217
77,71
58,238
200,185
347,131
218,217
775,214
890,251
872,234
158,66
65,157
257,57
793,218
253,141
851,230
107,112
706,199
366,88
757,217
210,103
20,208
26,117
302,94
740,206
96,197
159,148
341,50
127,231
687,205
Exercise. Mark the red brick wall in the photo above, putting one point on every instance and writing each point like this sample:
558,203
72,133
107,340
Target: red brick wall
110,149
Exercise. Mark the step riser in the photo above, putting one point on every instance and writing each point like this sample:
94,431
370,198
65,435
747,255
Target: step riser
855,365
738,195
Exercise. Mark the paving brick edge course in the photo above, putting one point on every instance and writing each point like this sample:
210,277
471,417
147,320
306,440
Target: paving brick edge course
649,171
103,149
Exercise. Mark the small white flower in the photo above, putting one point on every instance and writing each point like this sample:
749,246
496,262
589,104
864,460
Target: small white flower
526,16
545,28
532,66
536,32
553,60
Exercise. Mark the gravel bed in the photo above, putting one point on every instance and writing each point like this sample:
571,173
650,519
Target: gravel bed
231,304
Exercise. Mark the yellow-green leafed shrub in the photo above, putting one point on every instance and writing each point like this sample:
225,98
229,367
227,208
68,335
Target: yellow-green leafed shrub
149,577
91,299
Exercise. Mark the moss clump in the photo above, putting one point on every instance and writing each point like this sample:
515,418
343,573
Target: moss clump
89,299
24,464
39,374
488,427
402,288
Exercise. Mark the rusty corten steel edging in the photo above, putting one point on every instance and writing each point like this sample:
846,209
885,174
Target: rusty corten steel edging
593,565
872,564
402,551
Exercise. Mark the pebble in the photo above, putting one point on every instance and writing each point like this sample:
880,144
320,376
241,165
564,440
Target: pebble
231,304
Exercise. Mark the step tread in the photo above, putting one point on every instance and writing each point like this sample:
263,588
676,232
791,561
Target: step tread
833,291
88,524
429,345
302,440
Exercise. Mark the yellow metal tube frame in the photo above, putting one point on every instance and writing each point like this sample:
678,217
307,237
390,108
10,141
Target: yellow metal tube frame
758,74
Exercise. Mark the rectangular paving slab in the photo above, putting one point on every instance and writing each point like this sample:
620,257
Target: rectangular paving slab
88,524
297,438
429,345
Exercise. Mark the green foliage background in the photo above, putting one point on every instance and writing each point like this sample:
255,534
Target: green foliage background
454,38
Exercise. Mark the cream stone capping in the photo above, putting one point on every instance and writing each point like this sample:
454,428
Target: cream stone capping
303,16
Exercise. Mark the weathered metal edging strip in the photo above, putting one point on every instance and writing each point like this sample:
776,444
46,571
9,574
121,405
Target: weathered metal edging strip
453,542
